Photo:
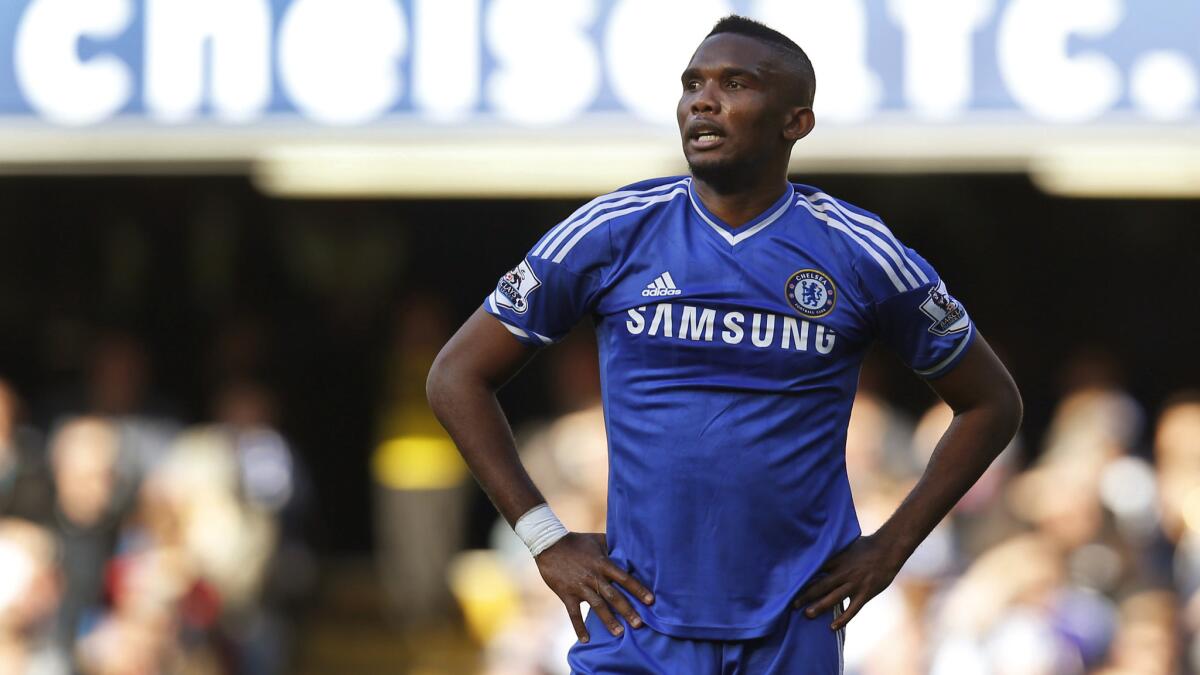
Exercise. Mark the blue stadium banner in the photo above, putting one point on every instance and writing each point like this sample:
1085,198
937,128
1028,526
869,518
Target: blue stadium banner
552,63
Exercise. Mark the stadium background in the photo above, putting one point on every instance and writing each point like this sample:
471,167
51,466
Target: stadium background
235,233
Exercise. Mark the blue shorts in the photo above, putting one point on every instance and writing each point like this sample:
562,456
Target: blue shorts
799,646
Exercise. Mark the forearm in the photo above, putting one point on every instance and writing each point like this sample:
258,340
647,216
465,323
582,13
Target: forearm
974,439
478,360
467,407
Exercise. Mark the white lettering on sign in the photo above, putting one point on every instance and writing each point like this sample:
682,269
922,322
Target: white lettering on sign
57,84
340,62
1163,85
1034,61
937,52
446,58
648,45
834,35
548,70
343,63
237,35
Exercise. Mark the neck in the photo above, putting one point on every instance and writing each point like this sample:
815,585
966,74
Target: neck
735,204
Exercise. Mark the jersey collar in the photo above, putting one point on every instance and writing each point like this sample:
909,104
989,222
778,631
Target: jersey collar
735,235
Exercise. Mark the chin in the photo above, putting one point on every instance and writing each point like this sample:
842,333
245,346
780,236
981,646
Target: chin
716,170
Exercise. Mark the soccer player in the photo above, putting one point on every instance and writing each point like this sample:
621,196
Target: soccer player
732,310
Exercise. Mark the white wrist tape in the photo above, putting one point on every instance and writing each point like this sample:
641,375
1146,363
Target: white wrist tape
539,528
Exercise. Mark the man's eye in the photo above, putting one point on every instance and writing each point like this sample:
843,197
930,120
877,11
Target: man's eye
733,84
691,84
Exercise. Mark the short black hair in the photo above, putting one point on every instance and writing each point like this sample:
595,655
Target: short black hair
740,25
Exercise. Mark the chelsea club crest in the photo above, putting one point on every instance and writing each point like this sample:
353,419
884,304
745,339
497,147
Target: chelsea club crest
811,292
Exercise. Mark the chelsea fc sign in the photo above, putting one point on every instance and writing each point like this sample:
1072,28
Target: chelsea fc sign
811,292
539,63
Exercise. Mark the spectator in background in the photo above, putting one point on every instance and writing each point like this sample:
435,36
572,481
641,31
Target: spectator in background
118,377
998,618
1147,641
273,480
25,489
420,479
190,569
93,492
240,350
1176,555
117,385
1177,459
141,633
29,593
1077,493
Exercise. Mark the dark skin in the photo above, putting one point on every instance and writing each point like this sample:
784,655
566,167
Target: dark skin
743,95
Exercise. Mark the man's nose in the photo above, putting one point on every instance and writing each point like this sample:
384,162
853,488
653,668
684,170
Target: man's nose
705,100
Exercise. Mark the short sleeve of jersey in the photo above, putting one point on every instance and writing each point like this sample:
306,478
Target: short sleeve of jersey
915,314
557,283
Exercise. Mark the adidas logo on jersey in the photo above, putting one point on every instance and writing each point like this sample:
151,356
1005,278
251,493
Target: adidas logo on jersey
662,286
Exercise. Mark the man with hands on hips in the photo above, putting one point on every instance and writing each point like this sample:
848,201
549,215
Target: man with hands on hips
732,310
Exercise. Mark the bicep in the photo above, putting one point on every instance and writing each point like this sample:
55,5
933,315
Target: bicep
483,348
979,379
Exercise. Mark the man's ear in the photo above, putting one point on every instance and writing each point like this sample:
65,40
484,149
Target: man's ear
800,123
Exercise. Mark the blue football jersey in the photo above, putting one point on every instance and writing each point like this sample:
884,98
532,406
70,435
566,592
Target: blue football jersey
729,361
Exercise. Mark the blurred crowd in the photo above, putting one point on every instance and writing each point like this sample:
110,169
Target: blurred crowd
1081,555
131,544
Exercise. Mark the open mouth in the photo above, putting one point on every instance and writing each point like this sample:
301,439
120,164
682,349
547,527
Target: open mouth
704,136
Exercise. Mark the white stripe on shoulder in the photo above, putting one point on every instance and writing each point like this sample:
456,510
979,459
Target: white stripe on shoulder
949,359
841,227
556,236
491,300
641,203
826,207
524,333
878,226
514,330
579,212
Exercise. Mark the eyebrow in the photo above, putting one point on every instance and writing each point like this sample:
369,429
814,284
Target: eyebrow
727,71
